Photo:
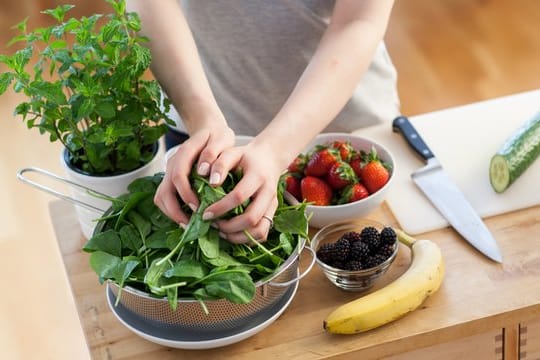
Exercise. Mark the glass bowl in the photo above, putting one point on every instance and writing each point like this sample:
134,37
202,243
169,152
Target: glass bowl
350,280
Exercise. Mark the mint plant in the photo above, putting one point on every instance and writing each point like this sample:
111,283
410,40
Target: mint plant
84,83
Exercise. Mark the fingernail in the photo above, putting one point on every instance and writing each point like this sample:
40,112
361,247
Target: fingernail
203,168
207,215
214,225
192,207
222,235
183,226
214,179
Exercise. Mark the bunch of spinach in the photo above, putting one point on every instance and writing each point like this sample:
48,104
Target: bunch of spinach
138,246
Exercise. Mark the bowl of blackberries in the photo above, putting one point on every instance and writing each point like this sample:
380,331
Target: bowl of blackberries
353,254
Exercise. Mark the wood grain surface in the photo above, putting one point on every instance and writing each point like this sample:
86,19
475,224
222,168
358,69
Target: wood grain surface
469,303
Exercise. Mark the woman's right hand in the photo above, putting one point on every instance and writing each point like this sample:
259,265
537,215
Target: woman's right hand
203,147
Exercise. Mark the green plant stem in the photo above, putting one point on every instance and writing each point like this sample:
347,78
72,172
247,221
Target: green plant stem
170,286
254,241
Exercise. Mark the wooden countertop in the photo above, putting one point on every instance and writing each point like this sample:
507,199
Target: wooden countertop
476,295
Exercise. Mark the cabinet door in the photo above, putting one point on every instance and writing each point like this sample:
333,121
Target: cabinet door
483,346
529,340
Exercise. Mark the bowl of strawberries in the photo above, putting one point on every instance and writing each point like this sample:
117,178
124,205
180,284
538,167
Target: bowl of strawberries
341,176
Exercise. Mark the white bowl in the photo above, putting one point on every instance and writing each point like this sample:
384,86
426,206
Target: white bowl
324,215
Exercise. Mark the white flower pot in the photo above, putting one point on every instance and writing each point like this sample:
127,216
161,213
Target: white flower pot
109,185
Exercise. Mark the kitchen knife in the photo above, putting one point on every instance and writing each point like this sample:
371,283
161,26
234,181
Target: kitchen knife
445,195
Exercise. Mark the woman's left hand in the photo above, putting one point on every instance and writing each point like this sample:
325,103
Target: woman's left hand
261,172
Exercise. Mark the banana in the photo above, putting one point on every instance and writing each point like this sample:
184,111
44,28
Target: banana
405,294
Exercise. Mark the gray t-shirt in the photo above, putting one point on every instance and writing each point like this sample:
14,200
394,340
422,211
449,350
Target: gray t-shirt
254,52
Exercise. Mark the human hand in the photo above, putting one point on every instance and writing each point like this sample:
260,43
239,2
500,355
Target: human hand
203,148
261,171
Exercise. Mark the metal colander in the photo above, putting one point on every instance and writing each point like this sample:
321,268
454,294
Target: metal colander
222,314
189,315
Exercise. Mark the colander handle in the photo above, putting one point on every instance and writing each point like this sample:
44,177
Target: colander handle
300,276
21,177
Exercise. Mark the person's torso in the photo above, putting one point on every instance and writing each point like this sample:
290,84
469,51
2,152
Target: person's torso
254,52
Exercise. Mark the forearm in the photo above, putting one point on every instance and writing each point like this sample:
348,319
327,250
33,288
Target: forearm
175,62
343,55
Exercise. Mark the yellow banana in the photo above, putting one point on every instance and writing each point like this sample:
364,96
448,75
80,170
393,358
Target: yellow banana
405,294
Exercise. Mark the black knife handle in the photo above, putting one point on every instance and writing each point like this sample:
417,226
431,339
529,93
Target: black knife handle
403,125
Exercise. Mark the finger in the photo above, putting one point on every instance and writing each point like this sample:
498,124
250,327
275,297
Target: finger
226,161
179,168
259,232
165,199
213,148
245,188
255,219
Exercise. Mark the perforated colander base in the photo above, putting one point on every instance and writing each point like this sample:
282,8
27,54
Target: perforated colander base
222,314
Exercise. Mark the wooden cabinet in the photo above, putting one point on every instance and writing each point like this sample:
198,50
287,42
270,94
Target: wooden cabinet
529,340
483,346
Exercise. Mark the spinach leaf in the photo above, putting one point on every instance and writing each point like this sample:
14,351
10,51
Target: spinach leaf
209,244
286,241
144,184
141,224
233,285
293,221
107,241
157,240
111,267
130,238
187,269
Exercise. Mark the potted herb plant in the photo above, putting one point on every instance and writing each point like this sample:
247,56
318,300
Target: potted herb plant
85,86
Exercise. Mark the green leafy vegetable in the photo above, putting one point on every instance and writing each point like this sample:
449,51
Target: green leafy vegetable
84,83
136,245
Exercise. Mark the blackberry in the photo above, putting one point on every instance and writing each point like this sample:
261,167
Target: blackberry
359,251
336,264
388,236
374,260
352,236
386,250
370,236
342,248
326,253
353,265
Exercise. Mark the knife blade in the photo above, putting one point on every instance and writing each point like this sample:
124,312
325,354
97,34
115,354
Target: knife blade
444,194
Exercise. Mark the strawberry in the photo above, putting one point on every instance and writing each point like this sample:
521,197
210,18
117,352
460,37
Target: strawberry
292,185
374,174
320,161
340,175
356,163
298,164
353,192
344,147
316,191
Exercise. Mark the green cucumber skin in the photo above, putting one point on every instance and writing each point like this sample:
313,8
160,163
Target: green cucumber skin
521,149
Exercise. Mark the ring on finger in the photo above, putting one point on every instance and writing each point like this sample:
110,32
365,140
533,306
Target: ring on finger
269,219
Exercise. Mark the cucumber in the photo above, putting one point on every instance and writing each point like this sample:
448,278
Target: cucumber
516,154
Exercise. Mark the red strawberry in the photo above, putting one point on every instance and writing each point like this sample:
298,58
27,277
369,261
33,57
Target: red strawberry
374,174
292,185
352,193
320,161
316,191
344,147
356,163
298,164
340,175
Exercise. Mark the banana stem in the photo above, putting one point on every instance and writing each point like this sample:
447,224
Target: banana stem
405,238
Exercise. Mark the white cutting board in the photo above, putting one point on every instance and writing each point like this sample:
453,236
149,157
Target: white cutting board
463,139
